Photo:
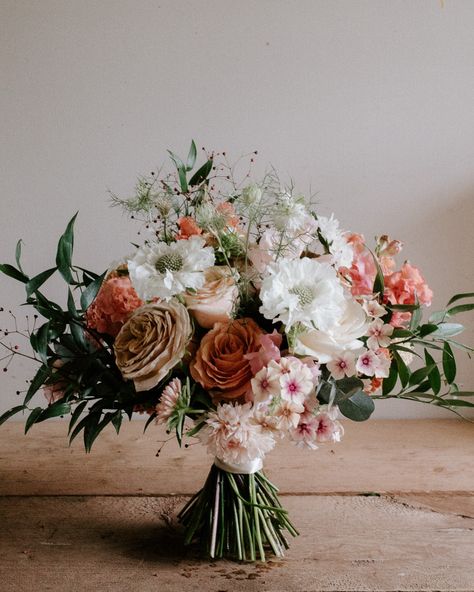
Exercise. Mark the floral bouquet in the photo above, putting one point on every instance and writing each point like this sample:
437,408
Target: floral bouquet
244,317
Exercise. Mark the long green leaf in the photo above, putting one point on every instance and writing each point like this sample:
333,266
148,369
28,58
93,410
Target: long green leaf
42,338
91,292
449,363
201,174
389,383
191,156
10,413
434,376
460,297
18,254
461,308
32,418
419,375
39,379
36,282
76,414
14,273
55,410
64,251
403,370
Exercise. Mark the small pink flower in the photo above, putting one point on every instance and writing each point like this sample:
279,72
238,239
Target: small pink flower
288,414
55,391
265,386
379,334
342,365
367,363
384,362
304,434
374,309
168,400
328,429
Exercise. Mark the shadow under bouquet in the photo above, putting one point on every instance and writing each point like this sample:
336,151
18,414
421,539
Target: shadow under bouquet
243,318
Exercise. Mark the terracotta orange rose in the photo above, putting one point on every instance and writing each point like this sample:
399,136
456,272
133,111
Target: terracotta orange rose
220,365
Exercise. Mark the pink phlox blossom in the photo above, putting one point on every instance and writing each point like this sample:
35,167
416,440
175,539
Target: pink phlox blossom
328,428
379,334
342,365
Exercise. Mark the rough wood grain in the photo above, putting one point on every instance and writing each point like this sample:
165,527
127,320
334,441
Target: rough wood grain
381,456
129,544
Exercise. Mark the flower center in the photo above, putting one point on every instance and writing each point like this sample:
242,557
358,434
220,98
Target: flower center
305,294
169,262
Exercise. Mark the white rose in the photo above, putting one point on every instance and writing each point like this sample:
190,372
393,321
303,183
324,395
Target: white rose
324,346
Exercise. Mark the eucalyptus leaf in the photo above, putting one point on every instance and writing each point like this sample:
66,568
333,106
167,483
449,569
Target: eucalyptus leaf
448,330
358,407
55,410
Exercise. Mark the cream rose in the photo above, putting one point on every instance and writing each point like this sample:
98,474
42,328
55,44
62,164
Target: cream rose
152,342
215,301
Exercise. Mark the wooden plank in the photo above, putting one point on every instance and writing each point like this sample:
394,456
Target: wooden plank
381,456
130,543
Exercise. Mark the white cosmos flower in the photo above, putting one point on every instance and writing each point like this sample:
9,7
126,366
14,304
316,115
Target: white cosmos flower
302,291
326,344
159,270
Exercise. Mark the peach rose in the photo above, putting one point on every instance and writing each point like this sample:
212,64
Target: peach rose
220,365
215,301
152,342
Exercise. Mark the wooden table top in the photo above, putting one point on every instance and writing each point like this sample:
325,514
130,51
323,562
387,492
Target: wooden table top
390,508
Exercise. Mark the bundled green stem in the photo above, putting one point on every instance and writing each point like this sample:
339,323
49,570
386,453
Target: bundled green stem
237,516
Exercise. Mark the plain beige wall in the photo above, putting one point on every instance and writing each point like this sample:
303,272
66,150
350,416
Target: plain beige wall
369,103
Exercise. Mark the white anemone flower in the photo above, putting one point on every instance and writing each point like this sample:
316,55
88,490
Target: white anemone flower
302,291
159,270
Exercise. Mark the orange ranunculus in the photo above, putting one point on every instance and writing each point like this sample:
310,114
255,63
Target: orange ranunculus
220,365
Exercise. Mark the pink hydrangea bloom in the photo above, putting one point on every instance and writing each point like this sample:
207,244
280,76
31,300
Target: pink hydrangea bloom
113,305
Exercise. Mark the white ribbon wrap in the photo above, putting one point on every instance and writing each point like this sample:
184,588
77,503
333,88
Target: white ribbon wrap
247,468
